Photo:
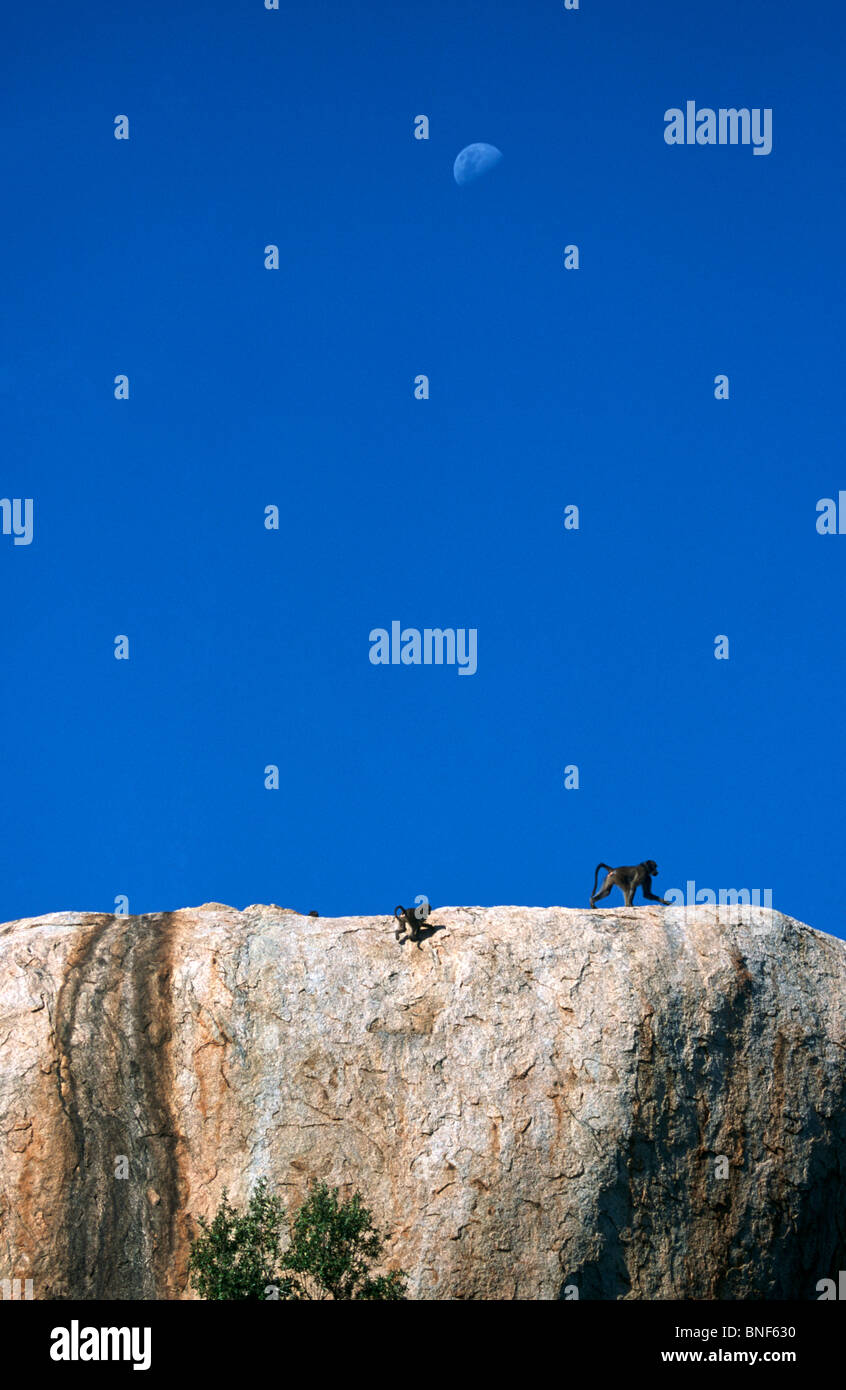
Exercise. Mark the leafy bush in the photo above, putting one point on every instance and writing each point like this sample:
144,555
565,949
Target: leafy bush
333,1245
329,1255
237,1256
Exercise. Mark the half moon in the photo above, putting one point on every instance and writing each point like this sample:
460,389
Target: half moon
473,161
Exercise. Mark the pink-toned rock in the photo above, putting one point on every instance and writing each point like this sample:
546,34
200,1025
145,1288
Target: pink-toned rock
537,1101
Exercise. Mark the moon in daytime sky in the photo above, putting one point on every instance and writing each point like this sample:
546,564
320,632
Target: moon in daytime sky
473,161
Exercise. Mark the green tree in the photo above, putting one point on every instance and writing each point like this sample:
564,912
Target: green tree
333,1245
237,1256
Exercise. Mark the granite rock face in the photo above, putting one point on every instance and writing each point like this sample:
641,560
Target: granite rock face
638,1103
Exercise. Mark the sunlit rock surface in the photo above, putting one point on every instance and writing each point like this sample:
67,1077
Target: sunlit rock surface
536,1101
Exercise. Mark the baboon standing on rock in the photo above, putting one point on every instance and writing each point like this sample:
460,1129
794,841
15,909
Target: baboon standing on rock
627,877
411,920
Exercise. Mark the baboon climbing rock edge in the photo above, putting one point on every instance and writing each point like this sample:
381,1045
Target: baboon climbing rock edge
633,1103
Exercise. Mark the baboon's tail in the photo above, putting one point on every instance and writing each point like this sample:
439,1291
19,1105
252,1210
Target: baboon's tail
596,876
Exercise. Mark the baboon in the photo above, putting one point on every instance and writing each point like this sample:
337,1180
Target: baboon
628,877
313,913
410,921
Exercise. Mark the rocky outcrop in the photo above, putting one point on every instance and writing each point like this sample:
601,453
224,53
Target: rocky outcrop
639,1103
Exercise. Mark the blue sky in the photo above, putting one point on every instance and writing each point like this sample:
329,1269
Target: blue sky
251,387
